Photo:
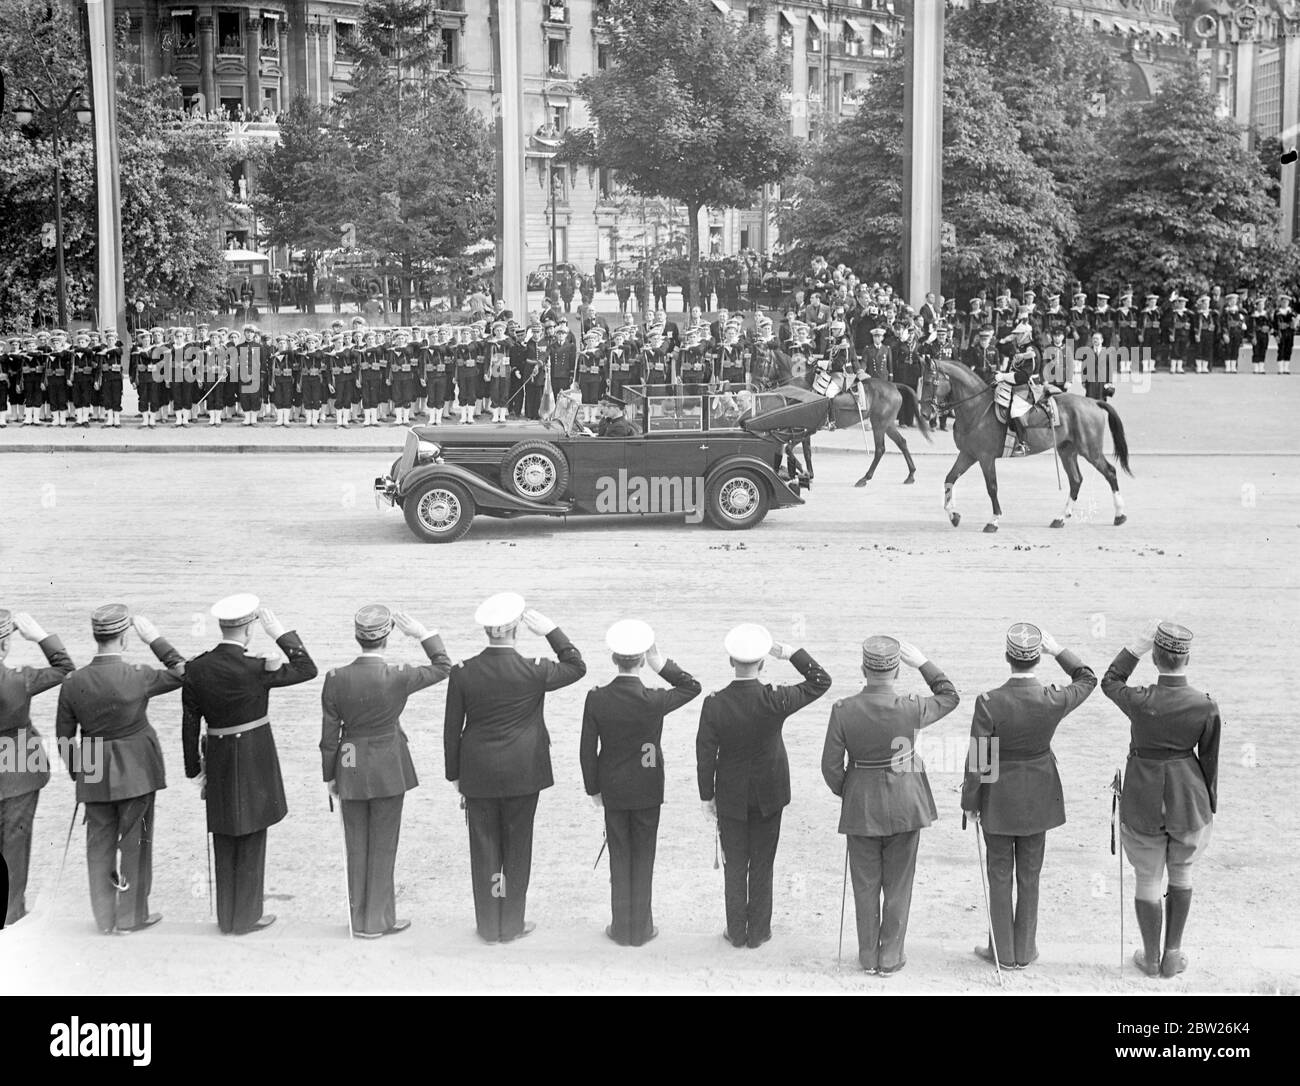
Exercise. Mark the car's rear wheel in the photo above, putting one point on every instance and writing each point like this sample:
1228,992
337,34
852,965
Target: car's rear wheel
536,471
736,499
439,511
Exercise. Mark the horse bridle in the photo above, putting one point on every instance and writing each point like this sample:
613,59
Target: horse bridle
952,404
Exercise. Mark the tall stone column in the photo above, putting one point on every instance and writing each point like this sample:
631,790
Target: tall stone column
1290,134
283,30
508,107
253,58
208,59
150,55
923,152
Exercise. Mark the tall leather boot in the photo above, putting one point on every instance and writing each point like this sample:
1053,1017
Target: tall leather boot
1178,902
1148,958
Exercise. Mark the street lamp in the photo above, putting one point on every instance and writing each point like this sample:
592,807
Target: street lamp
24,115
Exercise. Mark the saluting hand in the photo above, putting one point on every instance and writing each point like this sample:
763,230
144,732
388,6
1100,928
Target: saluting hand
29,627
147,630
654,659
910,654
410,626
1140,644
272,625
1050,645
537,622
781,651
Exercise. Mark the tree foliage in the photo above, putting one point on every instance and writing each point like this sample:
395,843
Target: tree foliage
1184,204
689,108
1008,218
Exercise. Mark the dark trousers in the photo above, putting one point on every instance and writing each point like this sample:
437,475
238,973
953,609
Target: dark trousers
17,813
370,830
632,837
500,860
1015,931
748,854
125,827
882,867
241,869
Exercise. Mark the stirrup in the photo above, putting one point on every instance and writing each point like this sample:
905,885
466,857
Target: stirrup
1021,449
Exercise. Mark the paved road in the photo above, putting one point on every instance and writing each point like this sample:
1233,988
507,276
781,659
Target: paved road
1210,542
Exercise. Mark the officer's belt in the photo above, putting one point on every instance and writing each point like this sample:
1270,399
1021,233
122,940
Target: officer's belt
1153,755
238,729
899,759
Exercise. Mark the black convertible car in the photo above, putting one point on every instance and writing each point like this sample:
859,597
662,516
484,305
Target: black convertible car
718,455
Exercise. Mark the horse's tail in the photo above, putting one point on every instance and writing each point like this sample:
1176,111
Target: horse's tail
909,394
1117,435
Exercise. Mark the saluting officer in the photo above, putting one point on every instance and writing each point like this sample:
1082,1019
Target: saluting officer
365,759
107,701
1012,787
498,756
25,771
623,770
869,760
1171,785
744,772
238,770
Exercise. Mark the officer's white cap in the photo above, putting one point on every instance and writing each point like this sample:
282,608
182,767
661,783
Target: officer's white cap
630,637
747,643
503,609
237,610
1023,330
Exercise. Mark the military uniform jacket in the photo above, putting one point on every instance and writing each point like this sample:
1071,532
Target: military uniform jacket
227,686
1171,781
879,726
740,756
18,685
877,362
1022,715
622,724
362,744
494,736
107,699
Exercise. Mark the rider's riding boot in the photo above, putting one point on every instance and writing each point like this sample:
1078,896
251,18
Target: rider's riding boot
1022,439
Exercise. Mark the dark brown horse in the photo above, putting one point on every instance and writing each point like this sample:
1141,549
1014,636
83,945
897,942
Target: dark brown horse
981,437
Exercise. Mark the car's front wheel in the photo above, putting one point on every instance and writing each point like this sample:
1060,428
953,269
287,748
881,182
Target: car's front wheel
736,499
439,511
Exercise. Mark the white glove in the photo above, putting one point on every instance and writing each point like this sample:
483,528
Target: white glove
537,622
147,630
411,627
1140,644
597,800
200,782
710,810
781,651
29,627
654,659
272,625
332,787
1050,645
910,654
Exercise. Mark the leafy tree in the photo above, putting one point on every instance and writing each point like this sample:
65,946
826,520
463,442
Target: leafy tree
688,108
1185,204
1008,219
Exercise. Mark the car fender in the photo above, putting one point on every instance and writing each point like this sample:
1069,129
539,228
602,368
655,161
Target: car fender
780,493
487,496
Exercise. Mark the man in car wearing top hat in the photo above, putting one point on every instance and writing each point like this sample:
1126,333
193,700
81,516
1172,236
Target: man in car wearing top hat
744,773
238,770
365,759
870,761
1170,788
107,701
623,770
1012,729
498,755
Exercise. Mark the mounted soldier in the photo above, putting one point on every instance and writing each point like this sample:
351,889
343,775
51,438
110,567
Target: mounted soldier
1019,386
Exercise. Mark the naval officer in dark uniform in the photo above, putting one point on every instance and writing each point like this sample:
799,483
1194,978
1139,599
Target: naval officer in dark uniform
28,772
238,771
1171,785
744,773
107,701
623,770
365,759
498,755
1012,729
870,761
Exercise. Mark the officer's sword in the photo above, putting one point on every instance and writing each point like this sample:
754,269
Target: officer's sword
1116,789
347,885
844,893
993,943
604,840
66,844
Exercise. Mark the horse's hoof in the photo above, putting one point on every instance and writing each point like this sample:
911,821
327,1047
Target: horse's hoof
862,482
990,527
1121,519
1057,523
909,479
955,518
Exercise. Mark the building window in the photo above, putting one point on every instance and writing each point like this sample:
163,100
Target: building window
271,100
450,55
557,58
231,97
185,42
605,182
848,85
602,57
814,82
559,118
787,78
755,15
230,39
784,31
269,41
